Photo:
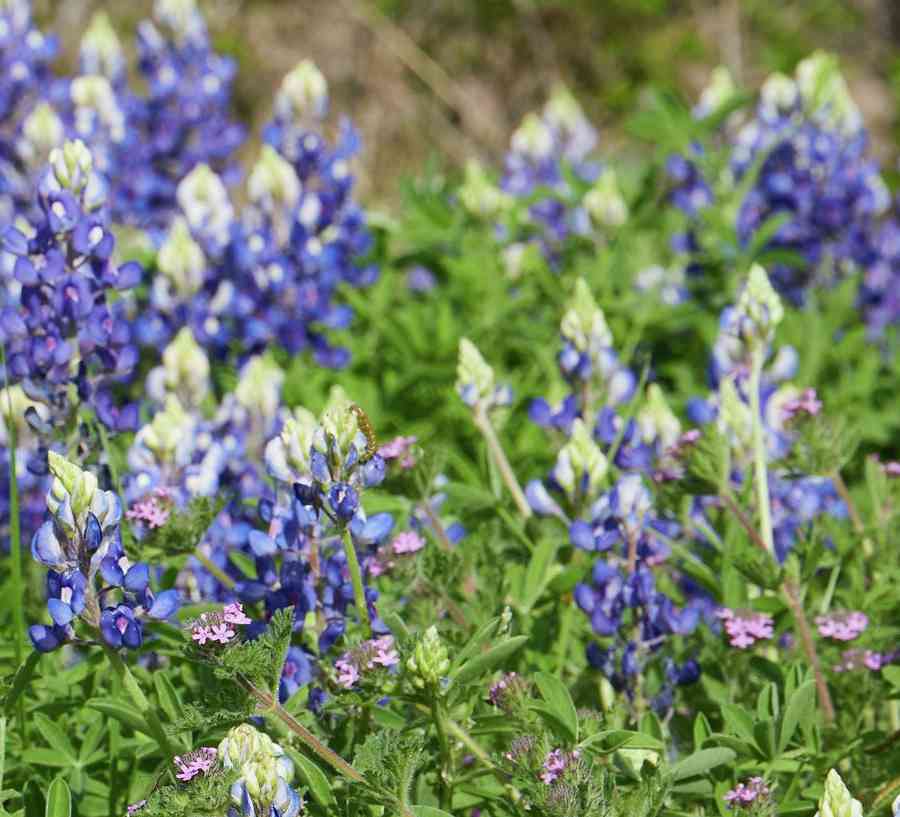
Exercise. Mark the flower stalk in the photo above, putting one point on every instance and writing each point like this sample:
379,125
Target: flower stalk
359,591
498,455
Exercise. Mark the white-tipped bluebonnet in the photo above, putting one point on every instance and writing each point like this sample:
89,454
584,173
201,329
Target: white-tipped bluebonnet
89,576
66,328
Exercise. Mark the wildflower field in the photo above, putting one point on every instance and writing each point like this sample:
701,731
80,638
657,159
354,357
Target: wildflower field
567,485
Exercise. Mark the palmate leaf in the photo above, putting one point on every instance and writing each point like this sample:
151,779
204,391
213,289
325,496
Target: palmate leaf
389,762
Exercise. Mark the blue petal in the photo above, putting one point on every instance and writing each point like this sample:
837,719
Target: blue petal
45,547
165,605
93,533
260,544
60,612
137,578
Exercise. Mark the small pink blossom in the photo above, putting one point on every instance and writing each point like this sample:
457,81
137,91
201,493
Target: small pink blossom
842,625
214,626
407,542
399,449
807,403
153,510
555,765
386,654
197,762
746,793
376,652
852,660
892,469
745,627
234,614
221,633
136,807
348,674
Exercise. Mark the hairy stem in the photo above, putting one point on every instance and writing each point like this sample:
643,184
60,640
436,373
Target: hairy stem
445,793
792,595
759,453
498,455
359,592
857,521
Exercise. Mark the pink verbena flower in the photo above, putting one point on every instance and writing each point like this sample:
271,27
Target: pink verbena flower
407,542
555,764
892,469
234,614
807,403
376,652
399,449
842,625
503,692
214,626
197,762
745,627
852,660
136,807
153,510
746,793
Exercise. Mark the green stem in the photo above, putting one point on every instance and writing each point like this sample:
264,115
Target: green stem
829,591
359,592
567,619
15,545
133,688
498,455
445,795
759,453
224,579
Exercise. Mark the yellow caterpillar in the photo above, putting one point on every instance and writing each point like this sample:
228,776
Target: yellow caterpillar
365,426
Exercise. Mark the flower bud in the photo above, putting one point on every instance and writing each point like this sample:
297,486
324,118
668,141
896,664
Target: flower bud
101,52
779,93
259,387
340,422
735,418
272,181
474,377
288,455
580,461
204,200
533,138
720,90
70,483
303,93
479,195
42,131
584,324
759,308
181,260
168,430
837,800
825,93
72,165
186,367
656,421
604,202
430,660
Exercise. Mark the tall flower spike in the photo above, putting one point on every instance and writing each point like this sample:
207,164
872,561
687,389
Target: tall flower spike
837,800
759,307
475,381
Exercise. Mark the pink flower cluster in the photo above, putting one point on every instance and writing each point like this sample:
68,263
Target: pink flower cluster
745,627
507,688
219,627
859,659
134,808
153,510
892,469
374,652
407,542
400,448
746,793
807,403
197,762
556,763
842,625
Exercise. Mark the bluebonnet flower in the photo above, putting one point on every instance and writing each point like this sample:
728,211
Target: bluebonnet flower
475,381
81,544
67,328
183,121
25,57
265,771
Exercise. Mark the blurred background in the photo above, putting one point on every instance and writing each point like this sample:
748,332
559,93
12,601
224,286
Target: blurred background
452,78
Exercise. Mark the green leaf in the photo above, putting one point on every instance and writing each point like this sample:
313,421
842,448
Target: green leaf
560,702
54,736
168,697
20,681
701,762
59,799
46,757
313,777
540,571
799,710
429,811
478,666
126,715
